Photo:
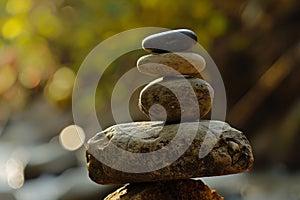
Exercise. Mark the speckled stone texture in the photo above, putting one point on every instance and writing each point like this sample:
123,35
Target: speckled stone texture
167,190
178,97
227,151
170,41
164,64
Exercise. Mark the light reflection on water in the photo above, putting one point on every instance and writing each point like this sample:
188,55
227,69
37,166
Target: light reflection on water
14,173
13,185
72,137
12,164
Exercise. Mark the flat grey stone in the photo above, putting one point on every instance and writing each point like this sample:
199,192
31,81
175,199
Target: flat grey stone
199,149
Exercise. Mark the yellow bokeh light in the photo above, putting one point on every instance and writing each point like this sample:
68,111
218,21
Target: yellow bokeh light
30,77
72,137
47,23
217,25
150,3
12,28
16,96
61,85
18,6
85,37
7,78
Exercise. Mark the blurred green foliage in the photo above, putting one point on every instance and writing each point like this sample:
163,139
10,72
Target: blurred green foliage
43,42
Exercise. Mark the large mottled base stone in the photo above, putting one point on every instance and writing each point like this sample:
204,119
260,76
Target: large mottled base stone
215,149
166,190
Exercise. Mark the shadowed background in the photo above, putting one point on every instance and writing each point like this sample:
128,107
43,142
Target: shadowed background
255,45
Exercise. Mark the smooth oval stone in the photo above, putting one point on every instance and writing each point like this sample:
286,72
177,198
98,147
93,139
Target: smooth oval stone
227,151
170,41
191,92
168,64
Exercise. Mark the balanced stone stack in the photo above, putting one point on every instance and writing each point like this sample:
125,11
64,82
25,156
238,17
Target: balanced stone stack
176,102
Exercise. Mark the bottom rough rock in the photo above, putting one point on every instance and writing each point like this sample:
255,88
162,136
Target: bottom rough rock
165,190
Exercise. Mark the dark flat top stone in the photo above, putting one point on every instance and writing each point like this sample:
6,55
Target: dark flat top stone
170,41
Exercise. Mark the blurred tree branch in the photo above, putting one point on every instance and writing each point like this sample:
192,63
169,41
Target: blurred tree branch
268,82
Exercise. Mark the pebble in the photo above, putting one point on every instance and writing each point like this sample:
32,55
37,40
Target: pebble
144,137
164,64
159,99
170,41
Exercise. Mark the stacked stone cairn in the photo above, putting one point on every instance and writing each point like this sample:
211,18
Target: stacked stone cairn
177,100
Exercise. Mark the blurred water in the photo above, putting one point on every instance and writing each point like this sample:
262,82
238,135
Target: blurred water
34,165
273,184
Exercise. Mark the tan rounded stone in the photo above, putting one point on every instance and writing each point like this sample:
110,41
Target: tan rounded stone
168,64
175,99
208,147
